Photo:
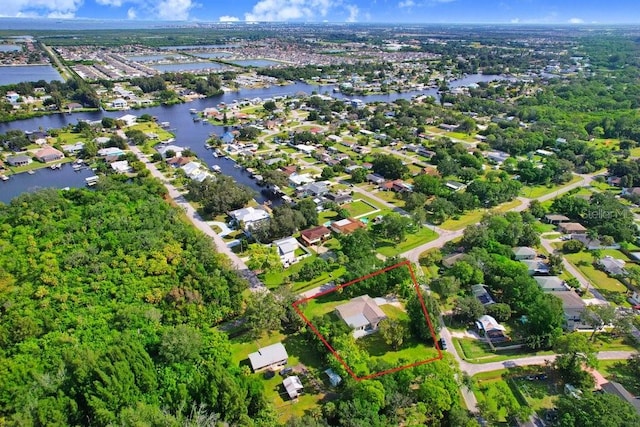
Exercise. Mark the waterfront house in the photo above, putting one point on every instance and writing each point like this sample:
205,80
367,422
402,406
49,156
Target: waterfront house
20,160
270,357
73,149
362,314
110,152
119,103
121,166
315,189
128,119
249,217
12,97
296,180
48,154
176,149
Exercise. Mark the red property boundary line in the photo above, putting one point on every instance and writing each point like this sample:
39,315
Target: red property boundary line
360,279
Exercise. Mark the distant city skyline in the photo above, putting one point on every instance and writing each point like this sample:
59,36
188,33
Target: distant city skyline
391,11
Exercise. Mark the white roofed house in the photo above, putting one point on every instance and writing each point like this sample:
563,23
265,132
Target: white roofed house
249,218
177,150
270,357
362,314
287,250
293,386
128,119
613,266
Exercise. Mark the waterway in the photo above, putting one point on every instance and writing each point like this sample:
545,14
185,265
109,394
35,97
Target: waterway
10,74
187,132
187,66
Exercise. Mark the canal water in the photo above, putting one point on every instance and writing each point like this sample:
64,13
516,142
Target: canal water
187,132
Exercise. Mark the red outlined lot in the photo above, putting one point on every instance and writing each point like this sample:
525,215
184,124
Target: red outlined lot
353,282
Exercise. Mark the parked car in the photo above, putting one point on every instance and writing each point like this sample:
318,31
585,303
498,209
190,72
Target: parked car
269,374
442,343
285,372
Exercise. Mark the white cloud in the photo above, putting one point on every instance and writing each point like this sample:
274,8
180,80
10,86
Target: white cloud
131,13
515,21
285,10
406,4
174,10
114,3
61,15
53,8
576,21
353,13
227,18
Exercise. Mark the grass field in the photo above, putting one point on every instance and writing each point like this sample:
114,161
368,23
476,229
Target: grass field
533,192
390,197
410,351
476,351
599,279
389,249
359,208
474,217
617,370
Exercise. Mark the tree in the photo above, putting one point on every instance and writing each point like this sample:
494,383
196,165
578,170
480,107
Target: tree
536,209
417,322
574,350
466,273
327,173
359,175
468,309
572,246
598,316
446,285
219,195
264,258
500,311
393,227
269,106
308,209
180,343
389,166
595,410
393,332
263,314
275,178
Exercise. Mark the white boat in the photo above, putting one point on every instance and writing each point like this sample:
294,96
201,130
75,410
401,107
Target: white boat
216,168
77,166
92,180
30,172
215,154
193,110
4,177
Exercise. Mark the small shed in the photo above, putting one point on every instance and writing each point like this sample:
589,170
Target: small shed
293,386
334,379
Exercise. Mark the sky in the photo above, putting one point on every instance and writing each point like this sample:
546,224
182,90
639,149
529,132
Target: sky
392,11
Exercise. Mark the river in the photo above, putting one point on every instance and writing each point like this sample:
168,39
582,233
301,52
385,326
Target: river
187,132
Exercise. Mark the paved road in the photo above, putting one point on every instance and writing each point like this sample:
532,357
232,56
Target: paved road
200,224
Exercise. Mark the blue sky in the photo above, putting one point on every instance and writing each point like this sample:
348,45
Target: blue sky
423,11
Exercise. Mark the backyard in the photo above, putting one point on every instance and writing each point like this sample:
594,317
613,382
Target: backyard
358,208
599,279
477,351
533,192
390,248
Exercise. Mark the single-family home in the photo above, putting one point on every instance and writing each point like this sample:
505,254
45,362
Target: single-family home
48,154
556,219
455,186
296,180
272,356
618,389
12,97
128,119
121,166
523,252
480,292
572,306
293,386
339,198
73,148
287,250
228,138
374,178
119,103
572,228
362,314
110,152
493,330
451,259
315,189
315,235
497,156
613,266
347,225
551,284
535,266
592,244
20,160
250,217
173,150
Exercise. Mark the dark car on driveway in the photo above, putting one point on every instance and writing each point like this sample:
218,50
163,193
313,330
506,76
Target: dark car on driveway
285,372
442,343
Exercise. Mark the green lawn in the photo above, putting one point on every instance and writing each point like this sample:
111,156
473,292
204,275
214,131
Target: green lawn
533,192
476,351
394,312
390,197
389,249
494,392
318,307
599,279
410,351
617,370
474,216
359,207
35,165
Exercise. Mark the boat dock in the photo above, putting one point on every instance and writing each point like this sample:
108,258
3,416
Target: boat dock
92,180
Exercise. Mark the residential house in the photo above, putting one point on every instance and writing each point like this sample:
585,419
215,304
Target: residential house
535,266
270,357
168,149
613,266
347,225
315,235
552,284
228,138
592,244
397,185
287,250
522,252
110,151
73,149
119,103
497,156
339,198
196,171
293,386
455,186
481,293
48,154
128,119
121,167
451,259
12,97
493,330
289,170
250,217
374,178
179,161
362,314
315,189
296,180
20,160
556,219
572,228
573,306
618,389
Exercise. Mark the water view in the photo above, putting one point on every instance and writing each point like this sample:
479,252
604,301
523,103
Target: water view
148,58
27,73
166,68
255,62
206,46
9,48
212,55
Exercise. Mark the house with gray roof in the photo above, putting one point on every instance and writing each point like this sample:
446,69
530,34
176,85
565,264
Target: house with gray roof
19,160
613,266
362,314
272,356
551,284
287,250
523,252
